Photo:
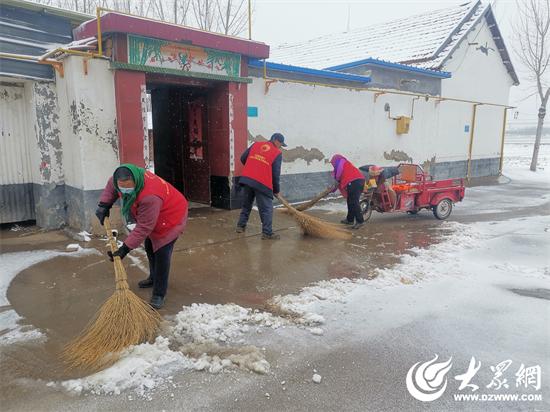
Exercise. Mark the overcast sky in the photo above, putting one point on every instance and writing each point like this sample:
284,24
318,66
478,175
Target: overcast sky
280,21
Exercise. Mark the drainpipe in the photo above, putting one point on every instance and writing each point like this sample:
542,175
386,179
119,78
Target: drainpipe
502,141
471,145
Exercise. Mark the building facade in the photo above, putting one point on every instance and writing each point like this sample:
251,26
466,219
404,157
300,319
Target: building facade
196,100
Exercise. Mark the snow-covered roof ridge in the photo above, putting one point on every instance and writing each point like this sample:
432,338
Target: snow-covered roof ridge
385,41
425,40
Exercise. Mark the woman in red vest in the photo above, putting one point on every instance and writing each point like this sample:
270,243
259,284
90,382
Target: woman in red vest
160,213
351,183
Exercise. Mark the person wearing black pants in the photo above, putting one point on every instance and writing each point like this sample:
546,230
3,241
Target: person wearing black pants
159,267
265,208
260,180
351,182
354,189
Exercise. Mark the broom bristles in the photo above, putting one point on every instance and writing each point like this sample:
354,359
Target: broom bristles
124,320
316,227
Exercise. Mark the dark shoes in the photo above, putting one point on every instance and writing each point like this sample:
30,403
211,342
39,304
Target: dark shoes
145,283
240,229
273,236
157,301
346,222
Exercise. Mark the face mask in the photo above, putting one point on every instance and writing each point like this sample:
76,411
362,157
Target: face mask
126,190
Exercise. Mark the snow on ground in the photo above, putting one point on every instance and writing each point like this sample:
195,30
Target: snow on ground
200,337
213,338
10,265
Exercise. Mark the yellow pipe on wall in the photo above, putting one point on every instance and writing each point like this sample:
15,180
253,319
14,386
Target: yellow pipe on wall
99,37
385,91
471,145
502,141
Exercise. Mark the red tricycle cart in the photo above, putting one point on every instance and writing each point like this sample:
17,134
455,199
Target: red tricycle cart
415,190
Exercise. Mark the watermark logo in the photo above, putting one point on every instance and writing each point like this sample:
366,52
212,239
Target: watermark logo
428,381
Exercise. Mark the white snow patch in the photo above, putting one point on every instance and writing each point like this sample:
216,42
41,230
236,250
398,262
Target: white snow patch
73,247
316,378
201,337
141,368
84,236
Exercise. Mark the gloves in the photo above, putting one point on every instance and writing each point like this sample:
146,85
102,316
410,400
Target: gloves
102,211
121,252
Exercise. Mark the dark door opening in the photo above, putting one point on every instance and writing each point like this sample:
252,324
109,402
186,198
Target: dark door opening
180,130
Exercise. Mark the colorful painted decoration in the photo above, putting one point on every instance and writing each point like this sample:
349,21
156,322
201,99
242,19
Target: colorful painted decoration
144,51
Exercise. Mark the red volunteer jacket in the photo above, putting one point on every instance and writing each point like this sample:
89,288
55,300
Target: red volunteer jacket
258,166
174,204
349,174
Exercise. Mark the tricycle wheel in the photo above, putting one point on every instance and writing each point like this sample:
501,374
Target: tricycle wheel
366,210
412,212
443,209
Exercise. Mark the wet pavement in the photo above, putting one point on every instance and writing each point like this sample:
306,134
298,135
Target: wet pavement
213,264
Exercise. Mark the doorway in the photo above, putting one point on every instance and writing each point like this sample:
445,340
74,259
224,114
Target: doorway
180,138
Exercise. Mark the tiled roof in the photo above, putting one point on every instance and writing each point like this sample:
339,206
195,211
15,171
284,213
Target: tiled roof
424,41
408,39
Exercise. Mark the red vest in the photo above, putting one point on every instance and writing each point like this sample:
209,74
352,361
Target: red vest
174,204
349,174
258,164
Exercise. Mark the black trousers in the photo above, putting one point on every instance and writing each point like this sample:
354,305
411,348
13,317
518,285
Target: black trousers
159,266
265,207
355,188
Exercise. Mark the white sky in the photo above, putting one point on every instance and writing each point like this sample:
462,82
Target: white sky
280,21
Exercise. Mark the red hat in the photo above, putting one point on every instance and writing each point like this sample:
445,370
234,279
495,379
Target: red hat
375,170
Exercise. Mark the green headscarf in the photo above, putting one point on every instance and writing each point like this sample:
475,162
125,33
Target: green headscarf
128,200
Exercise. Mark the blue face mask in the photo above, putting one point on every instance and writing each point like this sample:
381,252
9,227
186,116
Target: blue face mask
126,190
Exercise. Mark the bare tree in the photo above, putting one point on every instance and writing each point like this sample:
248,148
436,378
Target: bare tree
226,16
232,16
204,12
533,41
181,11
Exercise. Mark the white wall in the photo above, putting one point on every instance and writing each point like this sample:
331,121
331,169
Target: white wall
88,122
336,120
480,77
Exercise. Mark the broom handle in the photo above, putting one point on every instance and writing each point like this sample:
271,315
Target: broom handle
284,201
120,272
310,203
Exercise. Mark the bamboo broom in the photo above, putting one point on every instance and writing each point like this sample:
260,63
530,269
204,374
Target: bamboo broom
305,206
124,320
315,227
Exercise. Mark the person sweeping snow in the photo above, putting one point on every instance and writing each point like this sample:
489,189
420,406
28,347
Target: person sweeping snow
160,213
350,182
260,180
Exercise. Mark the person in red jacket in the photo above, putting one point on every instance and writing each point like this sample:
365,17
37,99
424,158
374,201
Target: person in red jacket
351,183
160,213
260,180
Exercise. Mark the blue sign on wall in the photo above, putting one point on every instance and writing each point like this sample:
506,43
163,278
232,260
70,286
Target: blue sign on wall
252,111
466,128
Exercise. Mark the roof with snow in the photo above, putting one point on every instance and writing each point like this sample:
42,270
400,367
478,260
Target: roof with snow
423,41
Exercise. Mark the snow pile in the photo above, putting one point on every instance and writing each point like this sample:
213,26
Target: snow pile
203,323
201,337
141,368
84,236
10,265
